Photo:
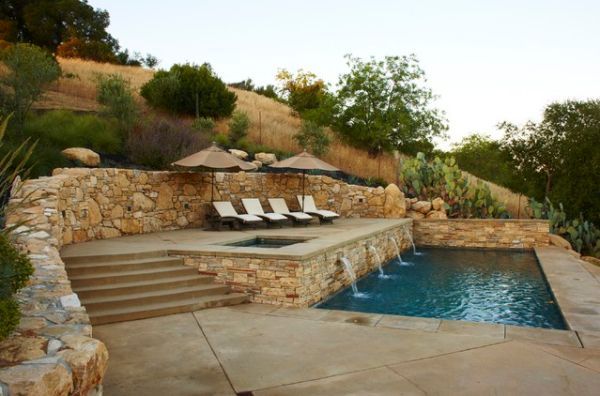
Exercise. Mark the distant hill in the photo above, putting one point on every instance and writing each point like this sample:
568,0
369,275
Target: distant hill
273,124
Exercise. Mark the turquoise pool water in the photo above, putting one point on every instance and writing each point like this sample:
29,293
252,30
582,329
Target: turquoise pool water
479,285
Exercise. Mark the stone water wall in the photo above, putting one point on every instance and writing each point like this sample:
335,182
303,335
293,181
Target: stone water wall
296,281
52,352
481,233
107,203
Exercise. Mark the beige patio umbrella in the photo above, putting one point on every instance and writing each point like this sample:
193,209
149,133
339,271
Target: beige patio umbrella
214,158
304,162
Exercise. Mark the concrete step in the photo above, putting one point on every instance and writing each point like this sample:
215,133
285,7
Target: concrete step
122,266
104,278
121,289
113,257
153,297
167,308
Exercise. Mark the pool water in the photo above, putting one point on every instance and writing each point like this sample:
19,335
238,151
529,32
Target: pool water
269,243
478,285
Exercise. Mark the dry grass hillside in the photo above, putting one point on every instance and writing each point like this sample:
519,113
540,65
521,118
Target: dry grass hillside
272,123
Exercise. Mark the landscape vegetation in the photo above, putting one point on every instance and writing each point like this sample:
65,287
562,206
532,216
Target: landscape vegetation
67,83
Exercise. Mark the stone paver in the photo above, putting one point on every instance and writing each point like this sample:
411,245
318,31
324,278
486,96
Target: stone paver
547,336
161,356
472,328
409,323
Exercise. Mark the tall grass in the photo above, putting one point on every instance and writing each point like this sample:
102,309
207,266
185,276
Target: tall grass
272,123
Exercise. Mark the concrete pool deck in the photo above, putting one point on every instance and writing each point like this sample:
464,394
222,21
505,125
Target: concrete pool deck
269,350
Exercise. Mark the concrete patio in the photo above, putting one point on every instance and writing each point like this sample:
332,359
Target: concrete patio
269,350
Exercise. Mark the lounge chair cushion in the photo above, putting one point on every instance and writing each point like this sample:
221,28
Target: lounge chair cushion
310,207
279,206
253,207
226,209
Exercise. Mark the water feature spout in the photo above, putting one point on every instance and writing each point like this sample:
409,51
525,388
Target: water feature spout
397,246
373,250
349,271
410,238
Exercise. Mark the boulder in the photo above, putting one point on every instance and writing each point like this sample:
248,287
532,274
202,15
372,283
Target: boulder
415,215
438,204
591,260
265,158
559,241
436,214
239,154
258,164
394,206
83,155
421,206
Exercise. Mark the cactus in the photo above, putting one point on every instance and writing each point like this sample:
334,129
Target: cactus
444,179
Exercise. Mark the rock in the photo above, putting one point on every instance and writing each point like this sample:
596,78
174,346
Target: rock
94,213
130,226
265,158
37,379
17,349
239,154
83,155
559,241
88,359
436,214
394,206
142,202
189,190
415,215
116,212
258,164
109,232
421,206
407,203
591,260
165,197
438,204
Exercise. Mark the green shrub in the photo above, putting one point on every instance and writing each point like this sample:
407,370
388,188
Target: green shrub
10,316
238,126
205,125
313,138
116,94
190,89
428,180
222,140
161,141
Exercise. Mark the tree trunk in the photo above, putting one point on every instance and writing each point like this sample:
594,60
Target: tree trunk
548,183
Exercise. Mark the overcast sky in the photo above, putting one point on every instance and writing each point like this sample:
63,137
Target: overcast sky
488,61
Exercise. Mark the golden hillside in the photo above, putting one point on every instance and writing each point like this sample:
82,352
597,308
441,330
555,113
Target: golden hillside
272,123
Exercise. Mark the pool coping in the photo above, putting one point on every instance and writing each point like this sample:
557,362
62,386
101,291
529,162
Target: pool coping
575,290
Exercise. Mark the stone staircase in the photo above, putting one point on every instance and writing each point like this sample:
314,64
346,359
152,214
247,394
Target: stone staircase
121,287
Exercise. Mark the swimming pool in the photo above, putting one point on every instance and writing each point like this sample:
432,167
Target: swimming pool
480,285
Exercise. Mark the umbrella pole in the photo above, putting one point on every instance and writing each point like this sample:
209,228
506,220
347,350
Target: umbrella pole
212,187
303,177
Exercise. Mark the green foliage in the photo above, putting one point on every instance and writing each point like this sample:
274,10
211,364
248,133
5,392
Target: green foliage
29,70
583,235
303,91
15,267
222,140
189,89
238,126
114,92
562,153
313,138
205,125
158,142
376,182
383,104
60,129
428,180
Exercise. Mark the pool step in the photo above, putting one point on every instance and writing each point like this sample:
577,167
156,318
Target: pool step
131,286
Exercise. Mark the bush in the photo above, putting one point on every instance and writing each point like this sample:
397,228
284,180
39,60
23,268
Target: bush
313,138
190,89
238,126
161,141
428,180
116,94
205,125
222,140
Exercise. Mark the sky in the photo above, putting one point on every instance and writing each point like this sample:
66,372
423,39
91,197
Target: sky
488,61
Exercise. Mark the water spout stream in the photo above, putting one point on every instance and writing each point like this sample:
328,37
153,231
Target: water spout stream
410,238
378,258
397,246
351,274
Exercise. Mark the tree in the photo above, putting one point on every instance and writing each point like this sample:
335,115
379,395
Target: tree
116,94
312,137
190,89
303,91
563,150
29,70
238,126
384,105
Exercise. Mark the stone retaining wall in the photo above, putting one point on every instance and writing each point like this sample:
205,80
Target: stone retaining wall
482,233
299,282
106,203
52,351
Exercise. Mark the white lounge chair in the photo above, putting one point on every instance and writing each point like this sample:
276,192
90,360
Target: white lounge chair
227,212
279,206
253,207
308,206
